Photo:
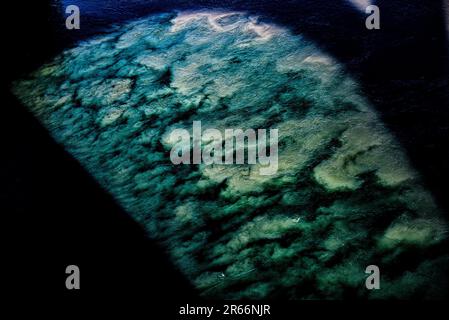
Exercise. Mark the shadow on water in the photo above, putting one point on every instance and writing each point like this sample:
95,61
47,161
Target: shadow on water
402,68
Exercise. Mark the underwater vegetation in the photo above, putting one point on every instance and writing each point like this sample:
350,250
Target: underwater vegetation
344,196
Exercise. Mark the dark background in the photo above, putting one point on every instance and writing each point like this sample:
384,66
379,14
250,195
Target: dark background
55,214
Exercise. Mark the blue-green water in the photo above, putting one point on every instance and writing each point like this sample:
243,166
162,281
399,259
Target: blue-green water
345,195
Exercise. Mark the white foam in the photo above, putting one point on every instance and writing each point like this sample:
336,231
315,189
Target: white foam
319,60
263,30
251,24
184,18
